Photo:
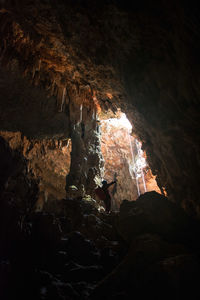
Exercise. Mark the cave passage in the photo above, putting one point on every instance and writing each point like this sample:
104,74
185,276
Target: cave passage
124,161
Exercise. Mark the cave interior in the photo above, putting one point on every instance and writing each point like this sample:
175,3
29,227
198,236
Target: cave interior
93,91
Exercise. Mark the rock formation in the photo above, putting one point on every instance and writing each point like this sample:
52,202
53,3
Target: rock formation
45,162
86,158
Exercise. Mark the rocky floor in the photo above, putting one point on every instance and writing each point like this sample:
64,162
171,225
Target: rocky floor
149,249
57,256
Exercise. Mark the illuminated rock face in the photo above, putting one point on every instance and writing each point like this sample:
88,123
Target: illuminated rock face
123,162
47,160
115,146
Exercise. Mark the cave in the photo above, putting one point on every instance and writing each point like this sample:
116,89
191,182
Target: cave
93,91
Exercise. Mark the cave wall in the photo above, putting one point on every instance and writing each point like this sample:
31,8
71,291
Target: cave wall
162,83
142,58
47,162
18,187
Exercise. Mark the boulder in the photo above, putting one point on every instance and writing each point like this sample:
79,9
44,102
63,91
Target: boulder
154,213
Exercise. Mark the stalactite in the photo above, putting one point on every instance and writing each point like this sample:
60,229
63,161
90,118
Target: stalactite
52,88
93,114
68,142
63,99
67,99
81,113
59,98
33,72
55,90
36,78
38,65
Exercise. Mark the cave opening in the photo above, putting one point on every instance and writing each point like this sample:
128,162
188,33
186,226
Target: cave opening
124,161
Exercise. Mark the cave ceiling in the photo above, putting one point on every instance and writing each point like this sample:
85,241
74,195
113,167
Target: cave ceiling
122,55
66,49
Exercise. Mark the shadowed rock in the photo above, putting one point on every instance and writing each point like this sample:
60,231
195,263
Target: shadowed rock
154,213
